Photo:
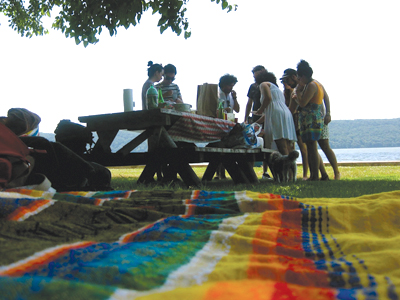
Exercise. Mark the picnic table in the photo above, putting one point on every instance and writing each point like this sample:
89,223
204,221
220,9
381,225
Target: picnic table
165,128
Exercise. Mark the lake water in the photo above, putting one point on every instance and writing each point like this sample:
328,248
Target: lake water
364,154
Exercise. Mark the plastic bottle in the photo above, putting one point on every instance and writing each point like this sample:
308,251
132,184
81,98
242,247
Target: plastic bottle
151,97
220,112
161,102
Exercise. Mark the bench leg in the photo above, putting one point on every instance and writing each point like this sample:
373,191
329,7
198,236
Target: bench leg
248,170
210,171
234,171
188,176
149,170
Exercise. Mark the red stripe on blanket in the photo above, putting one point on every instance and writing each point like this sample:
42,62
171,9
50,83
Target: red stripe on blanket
277,248
265,290
40,259
30,209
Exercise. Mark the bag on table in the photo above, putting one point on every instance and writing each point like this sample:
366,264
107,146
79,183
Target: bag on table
207,99
250,133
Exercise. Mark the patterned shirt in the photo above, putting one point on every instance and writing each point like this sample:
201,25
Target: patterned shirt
176,93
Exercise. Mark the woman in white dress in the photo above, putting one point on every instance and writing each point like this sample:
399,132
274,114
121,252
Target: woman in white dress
278,122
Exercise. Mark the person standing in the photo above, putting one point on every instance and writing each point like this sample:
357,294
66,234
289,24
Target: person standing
253,97
289,81
309,94
155,73
253,104
170,90
278,123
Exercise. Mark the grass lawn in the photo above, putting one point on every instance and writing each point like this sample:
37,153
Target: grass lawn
356,181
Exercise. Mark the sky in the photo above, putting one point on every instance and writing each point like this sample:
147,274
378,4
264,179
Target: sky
352,46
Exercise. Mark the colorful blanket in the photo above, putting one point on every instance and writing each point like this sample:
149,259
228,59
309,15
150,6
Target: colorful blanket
197,245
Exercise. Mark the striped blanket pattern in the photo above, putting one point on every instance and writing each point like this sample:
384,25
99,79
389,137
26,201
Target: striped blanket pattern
193,245
199,129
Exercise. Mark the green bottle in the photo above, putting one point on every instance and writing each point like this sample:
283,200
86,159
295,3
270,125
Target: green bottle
220,114
151,97
161,102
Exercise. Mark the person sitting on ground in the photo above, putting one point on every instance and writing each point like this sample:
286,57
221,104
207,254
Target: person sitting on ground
155,73
170,90
63,168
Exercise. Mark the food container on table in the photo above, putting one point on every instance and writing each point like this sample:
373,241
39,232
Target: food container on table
230,117
182,107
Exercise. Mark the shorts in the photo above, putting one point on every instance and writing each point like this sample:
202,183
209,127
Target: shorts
325,133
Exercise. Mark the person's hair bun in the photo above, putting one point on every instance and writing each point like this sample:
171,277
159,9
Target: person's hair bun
150,63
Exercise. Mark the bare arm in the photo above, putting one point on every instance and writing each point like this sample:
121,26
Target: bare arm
327,119
236,106
292,105
248,109
306,96
266,97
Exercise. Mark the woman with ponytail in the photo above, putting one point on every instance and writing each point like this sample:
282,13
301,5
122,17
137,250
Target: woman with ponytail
155,73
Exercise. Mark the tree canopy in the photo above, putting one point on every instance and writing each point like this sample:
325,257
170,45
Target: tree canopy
84,20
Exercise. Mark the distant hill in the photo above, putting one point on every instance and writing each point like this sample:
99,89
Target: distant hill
342,134
364,133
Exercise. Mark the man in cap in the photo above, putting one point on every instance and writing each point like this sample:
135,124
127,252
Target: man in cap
289,81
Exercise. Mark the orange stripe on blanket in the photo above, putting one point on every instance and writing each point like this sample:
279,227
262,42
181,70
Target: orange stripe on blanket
265,290
23,212
127,238
277,249
44,257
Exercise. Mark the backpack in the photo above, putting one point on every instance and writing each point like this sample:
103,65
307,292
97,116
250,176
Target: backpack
15,160
74,136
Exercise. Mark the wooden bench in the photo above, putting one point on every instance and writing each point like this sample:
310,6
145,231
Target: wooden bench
238,162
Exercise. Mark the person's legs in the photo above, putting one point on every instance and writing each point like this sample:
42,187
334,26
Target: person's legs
313,159
303,152
282,145
265,163
324,175
330,155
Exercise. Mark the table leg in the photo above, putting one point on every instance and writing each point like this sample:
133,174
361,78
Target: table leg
106,137
234,170
135,142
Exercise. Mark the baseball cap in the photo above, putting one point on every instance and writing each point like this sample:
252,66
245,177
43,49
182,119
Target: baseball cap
287,73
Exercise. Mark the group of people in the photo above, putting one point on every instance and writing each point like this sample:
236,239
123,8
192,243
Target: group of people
301,113
170,90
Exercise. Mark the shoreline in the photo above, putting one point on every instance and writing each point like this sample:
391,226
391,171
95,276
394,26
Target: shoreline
342,164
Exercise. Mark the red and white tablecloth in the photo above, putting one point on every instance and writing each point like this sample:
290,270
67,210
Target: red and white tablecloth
196,128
